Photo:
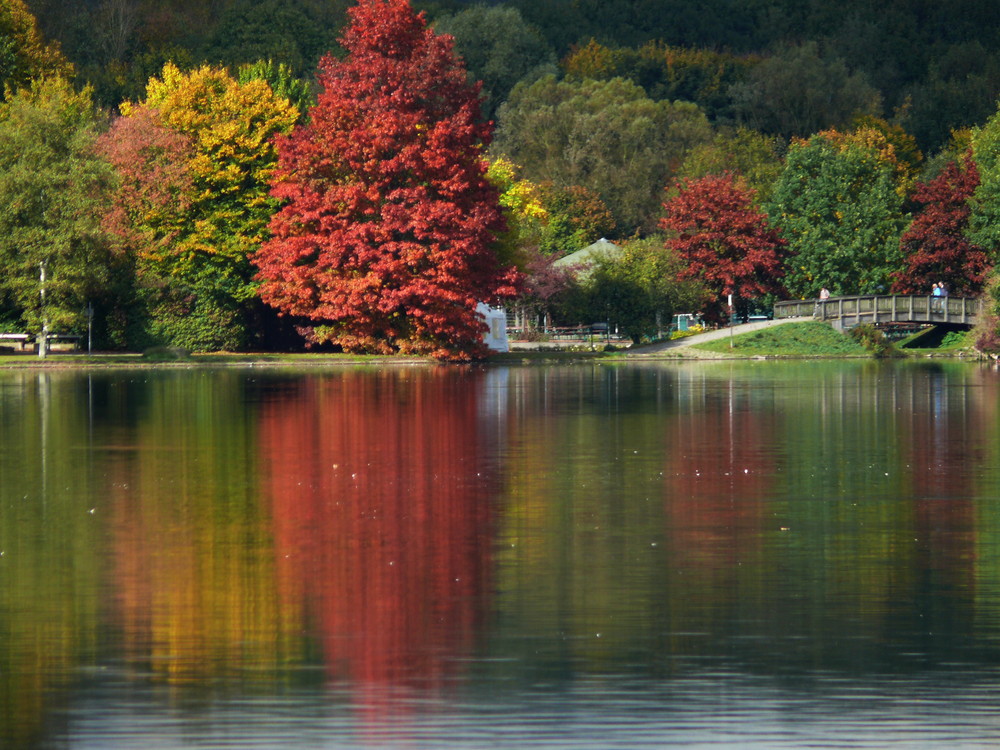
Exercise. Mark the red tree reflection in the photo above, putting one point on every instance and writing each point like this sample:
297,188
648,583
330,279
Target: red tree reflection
720,470
382,514
943,424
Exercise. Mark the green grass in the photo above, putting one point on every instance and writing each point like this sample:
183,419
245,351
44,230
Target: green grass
790,340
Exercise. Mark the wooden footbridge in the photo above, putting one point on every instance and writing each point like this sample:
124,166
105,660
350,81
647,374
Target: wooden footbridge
846,312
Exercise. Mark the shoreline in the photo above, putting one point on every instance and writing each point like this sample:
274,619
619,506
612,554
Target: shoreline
70,361
779,347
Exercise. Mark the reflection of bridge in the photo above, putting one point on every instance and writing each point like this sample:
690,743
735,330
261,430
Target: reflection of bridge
846,312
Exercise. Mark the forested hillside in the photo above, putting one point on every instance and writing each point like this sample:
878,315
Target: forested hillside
751,147
927,66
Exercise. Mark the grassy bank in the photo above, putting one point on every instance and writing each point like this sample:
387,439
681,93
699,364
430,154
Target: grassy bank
816,339
807,339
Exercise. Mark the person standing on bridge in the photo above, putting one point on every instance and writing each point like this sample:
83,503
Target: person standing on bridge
936,292
819,312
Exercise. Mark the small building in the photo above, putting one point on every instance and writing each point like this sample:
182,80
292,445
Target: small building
583,259
496,318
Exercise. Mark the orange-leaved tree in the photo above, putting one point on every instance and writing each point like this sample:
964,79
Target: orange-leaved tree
386,241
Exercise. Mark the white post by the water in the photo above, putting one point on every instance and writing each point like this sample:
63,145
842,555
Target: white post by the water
44,338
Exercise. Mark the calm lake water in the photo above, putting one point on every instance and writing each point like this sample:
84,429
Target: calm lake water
594,556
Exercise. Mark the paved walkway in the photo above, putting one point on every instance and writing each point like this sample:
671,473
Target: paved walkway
718,333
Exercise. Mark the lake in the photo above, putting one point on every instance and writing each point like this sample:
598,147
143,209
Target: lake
729,554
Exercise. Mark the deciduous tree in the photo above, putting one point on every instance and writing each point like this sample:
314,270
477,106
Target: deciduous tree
935,247
285,31
724,241
204,271
984,222
147,214
638,290
800,91
52,195
385,241
499,48
665,73
526,217
576,218
607,136
840,208
24,54
756,158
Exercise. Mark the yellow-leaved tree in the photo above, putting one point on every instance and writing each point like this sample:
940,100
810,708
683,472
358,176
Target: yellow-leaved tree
198,285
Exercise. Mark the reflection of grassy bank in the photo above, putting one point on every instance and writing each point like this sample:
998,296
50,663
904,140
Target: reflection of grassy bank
252,359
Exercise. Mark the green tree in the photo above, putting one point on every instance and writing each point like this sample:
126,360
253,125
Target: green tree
839,206
24,54
53,193
499,48
282,30
635,291
755,157
607,136
984,223
799,91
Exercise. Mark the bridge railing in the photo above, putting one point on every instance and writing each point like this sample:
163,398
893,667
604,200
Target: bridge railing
845,312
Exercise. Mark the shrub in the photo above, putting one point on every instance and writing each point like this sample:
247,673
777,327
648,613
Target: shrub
874,340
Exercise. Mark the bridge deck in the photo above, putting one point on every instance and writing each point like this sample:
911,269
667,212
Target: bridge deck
846,312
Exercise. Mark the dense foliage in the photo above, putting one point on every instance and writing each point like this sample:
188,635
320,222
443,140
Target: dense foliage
638,291
192,246
842,121
24,54
607,136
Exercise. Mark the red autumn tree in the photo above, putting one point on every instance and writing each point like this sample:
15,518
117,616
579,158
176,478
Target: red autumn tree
935,247
724,240
384,244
